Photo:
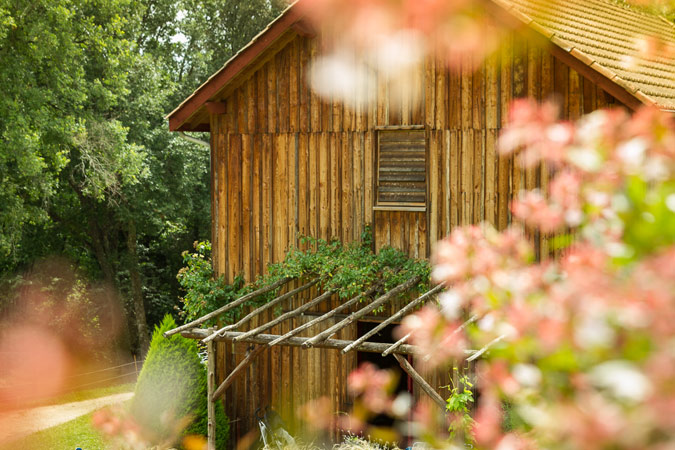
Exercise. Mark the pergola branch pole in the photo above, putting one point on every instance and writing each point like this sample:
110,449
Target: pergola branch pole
338,344
328,315
477,354
262,308
237,370
227,307
296,312
210,401
403,311
396,345
388,296
421,382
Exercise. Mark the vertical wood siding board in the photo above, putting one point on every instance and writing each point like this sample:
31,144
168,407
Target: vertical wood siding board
369,171
324,206
256,205
294,189
575,93
467,176
395,230
520,67
223,216
406,88
587,93
382,101
492,82
467,95
283,187
394,102
435,187
250,98
417,96
561,85
246,202
335,186
451,160
346,153
313,183
303,185
272,113
261,99
337,114
490,175
358,181
294,94
478,176
506,77
546,75
303,86
234,210
213,192
315,101
429,91
284,83
441,97
479,103
268,200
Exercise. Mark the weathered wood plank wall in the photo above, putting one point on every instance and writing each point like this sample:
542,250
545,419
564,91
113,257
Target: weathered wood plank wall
286,162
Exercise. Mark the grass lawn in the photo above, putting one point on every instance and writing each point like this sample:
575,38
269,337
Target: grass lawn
67,436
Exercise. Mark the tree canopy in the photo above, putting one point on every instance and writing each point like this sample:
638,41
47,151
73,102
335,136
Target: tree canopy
88,167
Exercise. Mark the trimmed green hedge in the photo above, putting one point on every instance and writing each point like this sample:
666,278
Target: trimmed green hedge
172,387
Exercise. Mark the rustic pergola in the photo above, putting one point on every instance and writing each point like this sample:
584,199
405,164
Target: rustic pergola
262,341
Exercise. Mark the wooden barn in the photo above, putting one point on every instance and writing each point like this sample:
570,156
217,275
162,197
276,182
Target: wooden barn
287,162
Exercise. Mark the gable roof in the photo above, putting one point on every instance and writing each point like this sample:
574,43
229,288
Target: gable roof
608,38
599,39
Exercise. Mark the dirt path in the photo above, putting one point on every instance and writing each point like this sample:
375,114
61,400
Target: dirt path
18,424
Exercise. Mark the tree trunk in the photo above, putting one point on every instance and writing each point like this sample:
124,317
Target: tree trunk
137,289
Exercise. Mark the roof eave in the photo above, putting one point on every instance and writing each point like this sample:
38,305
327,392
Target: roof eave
179,118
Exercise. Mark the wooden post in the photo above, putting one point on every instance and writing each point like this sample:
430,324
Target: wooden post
417,378
210,386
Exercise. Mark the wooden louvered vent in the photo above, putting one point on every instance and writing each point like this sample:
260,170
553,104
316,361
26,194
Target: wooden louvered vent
401,168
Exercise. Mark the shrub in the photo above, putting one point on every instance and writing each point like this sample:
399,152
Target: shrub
171,389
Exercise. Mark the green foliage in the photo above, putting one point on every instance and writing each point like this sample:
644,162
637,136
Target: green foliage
349,269
204,292
172,386
458,404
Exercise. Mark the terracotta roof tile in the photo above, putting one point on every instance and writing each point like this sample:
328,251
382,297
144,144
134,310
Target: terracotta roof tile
607,37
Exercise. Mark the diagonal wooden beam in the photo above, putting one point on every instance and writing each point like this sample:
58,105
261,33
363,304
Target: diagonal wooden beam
396,345
403,311
328,315
417,378
296,312
237,370
387,297
227,307
264,307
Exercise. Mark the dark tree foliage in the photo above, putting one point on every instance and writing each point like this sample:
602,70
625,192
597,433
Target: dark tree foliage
88,168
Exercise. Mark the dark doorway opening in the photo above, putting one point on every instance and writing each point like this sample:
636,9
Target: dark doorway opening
405,383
